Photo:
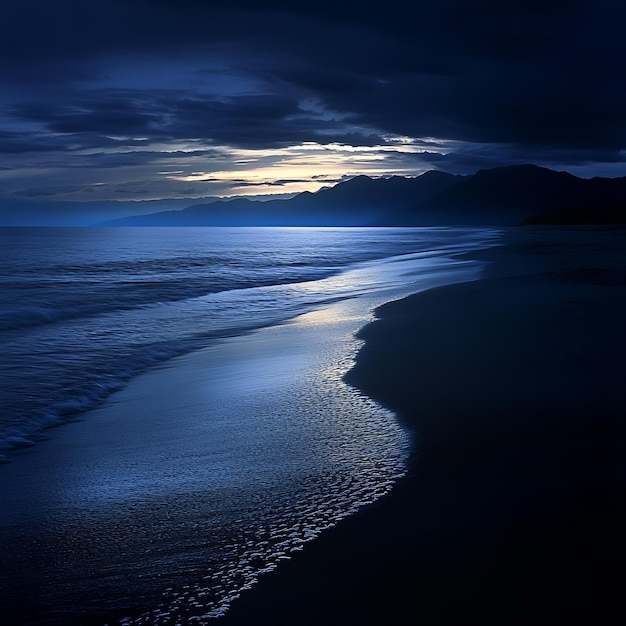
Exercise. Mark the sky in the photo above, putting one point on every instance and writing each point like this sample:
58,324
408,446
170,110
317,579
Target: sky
152,99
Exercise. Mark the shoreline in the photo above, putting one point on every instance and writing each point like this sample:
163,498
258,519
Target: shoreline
204,472
269,303
512,508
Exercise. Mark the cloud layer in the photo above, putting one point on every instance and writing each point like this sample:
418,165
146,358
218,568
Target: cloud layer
103,97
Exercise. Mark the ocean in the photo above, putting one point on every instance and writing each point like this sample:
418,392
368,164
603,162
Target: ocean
207,433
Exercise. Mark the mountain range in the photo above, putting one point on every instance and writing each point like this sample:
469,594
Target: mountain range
520,194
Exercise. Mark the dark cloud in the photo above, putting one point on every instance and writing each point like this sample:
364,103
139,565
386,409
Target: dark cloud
101,114
108,118
537,81
533,72
15,143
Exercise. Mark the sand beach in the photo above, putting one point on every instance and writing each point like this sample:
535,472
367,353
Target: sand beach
505,392
513,508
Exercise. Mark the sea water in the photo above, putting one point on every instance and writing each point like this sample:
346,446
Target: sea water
244,444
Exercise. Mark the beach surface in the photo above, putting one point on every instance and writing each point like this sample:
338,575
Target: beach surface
166,502
512,511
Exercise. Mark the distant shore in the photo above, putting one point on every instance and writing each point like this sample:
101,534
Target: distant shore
512,511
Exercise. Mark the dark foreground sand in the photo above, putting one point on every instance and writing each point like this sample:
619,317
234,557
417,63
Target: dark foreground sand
513,509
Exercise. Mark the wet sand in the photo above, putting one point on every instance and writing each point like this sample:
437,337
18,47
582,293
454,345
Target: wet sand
165,502
513,508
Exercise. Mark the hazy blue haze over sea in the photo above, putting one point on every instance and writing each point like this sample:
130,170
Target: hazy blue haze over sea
171,498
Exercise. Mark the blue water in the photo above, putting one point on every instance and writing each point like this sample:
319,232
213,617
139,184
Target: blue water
84,310
214,433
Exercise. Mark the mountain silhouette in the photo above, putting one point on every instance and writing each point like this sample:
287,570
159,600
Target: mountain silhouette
505,195
360,201
499,196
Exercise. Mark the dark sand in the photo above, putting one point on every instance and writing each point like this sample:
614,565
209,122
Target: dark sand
513,509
